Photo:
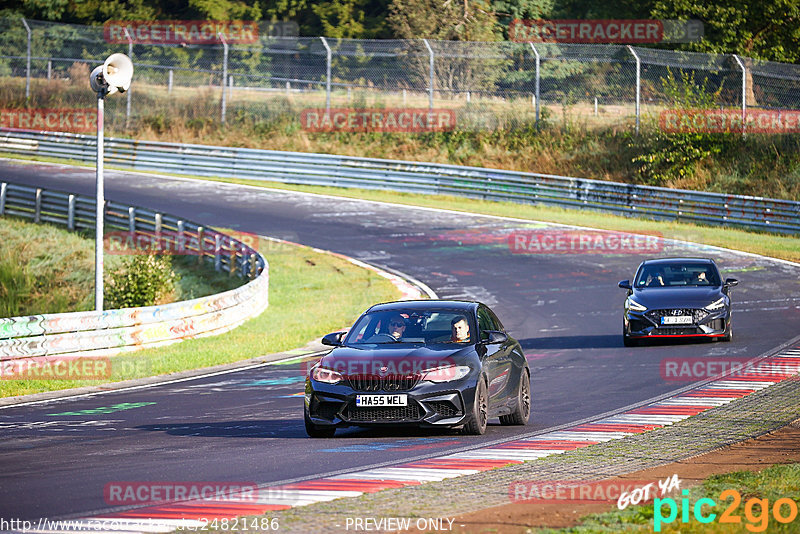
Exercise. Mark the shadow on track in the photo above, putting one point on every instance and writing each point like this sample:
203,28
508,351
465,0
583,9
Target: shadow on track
233,429
606,341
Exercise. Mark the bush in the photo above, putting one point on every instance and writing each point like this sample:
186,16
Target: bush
141,281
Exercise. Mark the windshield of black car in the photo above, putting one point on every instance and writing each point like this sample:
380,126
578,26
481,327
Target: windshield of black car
412,326
677,275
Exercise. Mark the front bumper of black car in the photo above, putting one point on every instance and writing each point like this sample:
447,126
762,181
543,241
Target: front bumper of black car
703,323
446,404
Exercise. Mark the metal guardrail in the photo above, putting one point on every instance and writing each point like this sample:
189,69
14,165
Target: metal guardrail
111,331
406,176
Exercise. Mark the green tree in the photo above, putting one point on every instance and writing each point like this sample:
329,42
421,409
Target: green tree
447,20
352,19
763,29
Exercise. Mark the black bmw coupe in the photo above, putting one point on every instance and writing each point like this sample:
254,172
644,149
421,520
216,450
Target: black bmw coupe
427,363
677,297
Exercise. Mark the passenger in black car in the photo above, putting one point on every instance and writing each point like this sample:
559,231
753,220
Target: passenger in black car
460,330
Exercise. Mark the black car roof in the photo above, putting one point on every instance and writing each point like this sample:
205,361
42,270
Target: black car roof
464,305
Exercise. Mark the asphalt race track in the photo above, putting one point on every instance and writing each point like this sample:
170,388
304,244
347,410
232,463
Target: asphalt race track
246,426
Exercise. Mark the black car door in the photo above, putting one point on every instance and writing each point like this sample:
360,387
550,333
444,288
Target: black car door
495,360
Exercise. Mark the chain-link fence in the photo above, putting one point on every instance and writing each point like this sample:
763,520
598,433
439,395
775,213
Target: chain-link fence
489,84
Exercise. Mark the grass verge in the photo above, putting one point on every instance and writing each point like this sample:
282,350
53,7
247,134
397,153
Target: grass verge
758,492
311,294
48,269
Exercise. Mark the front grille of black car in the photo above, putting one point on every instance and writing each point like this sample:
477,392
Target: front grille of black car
383,383
697,314
412,412
444,408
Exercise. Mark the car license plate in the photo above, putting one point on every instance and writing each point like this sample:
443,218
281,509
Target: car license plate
381,400
680,319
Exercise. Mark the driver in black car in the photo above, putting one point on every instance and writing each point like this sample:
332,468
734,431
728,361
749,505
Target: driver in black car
397,325
655,279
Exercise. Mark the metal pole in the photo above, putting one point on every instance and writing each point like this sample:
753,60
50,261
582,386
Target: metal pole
327,75
128,97
28,68
538,61
744,92
638,84
430,82
100,211
224,74
169,82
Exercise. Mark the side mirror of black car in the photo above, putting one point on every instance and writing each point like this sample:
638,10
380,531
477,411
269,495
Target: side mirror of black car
625,284
333,339
730,282
495,337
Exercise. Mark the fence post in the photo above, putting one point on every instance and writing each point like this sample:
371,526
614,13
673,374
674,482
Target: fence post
224,74
201,246
430,81
327,75
538,61
132,220
71,212
128,97
181,237
744,92
28,67
158,224
638,83
169,83
3,194
217,252
37,214
49,69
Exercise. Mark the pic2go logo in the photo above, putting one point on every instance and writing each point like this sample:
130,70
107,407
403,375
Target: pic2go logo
756,511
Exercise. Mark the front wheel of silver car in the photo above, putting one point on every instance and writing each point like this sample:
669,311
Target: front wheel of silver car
479,417
522,406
